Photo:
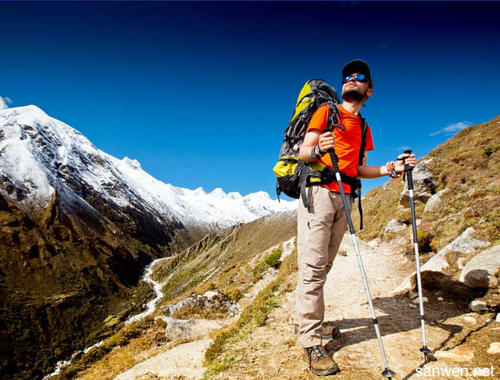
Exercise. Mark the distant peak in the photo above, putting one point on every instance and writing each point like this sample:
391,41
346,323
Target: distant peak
31,108
234,195
199,190
217,192
132,163
259,194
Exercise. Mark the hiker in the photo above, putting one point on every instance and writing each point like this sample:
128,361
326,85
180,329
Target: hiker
321,220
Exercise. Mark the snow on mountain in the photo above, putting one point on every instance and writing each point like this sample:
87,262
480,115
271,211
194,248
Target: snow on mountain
41,155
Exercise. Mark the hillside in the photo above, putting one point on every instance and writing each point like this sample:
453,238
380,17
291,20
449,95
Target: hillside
227,311
229,262
77,228
466,170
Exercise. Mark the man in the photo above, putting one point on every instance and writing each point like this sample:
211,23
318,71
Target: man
322,224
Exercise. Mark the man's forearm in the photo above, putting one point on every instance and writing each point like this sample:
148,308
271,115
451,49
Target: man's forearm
365,171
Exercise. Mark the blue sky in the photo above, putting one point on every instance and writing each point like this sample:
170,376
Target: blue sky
200,92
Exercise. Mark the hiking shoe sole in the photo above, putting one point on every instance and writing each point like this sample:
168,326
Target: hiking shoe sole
325,372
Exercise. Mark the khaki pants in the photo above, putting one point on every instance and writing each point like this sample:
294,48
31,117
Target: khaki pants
320,229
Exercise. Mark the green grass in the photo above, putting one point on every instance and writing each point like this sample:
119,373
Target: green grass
254,315
273,259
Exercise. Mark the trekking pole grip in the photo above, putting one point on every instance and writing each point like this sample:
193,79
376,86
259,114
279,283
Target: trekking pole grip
408,171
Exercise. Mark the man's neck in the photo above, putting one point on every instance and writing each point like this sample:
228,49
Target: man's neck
352,107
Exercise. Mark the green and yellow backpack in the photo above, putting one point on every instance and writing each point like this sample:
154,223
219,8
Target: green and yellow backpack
290,172
294,175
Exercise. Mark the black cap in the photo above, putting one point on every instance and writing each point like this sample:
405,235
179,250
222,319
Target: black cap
357,66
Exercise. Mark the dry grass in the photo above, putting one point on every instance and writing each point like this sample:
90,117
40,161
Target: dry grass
218,356
133,344
468,165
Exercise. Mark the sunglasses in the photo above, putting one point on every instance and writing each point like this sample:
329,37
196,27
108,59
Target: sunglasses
358,77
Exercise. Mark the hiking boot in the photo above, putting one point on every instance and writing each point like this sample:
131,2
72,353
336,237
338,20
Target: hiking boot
320,363
328,330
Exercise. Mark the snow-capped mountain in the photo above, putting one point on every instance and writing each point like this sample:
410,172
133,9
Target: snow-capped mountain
77,228
41,155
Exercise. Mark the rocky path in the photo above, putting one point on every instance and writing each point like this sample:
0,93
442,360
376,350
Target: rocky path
272,352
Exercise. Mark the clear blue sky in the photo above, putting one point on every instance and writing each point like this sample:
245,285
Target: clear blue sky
200,93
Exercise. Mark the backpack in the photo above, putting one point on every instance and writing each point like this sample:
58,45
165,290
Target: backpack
293,176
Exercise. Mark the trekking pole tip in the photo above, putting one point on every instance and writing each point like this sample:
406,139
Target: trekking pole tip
427,354
388,373
425,350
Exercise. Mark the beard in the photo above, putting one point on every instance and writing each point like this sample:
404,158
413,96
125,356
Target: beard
353,95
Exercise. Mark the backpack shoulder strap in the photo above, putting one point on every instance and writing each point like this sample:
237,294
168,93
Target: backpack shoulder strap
364,128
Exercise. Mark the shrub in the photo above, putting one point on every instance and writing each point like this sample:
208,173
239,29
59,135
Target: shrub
425,239
273,259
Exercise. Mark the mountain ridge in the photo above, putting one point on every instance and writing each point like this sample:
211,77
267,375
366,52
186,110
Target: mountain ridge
65,153
77,228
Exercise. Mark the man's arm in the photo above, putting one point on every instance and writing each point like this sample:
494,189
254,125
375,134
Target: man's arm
365,171
314,139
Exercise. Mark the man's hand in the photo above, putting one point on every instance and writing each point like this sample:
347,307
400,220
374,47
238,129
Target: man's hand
409,159
326,141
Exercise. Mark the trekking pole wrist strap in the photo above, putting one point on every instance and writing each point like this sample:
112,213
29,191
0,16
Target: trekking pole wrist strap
315,155
321,153
391,169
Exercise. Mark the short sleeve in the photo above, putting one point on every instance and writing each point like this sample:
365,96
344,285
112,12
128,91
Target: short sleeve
319,119
369,140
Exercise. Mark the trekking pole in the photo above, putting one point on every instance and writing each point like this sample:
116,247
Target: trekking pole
409,175
333,156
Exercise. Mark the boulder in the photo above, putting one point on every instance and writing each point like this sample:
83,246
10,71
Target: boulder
424,184
465,243
394,225
432,280
480,271
211,300
188,329
434,202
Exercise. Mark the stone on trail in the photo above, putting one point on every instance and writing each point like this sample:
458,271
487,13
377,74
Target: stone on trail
478,306
424,300
458,354
470,319
494,348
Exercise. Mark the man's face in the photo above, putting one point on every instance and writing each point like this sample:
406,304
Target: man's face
357,91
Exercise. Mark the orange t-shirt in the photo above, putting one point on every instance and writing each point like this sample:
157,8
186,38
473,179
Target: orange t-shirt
347,142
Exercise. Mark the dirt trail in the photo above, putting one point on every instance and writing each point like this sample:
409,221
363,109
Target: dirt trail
272,352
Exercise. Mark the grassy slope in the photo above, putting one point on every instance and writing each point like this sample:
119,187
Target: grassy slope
229,256
223,256
468,165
